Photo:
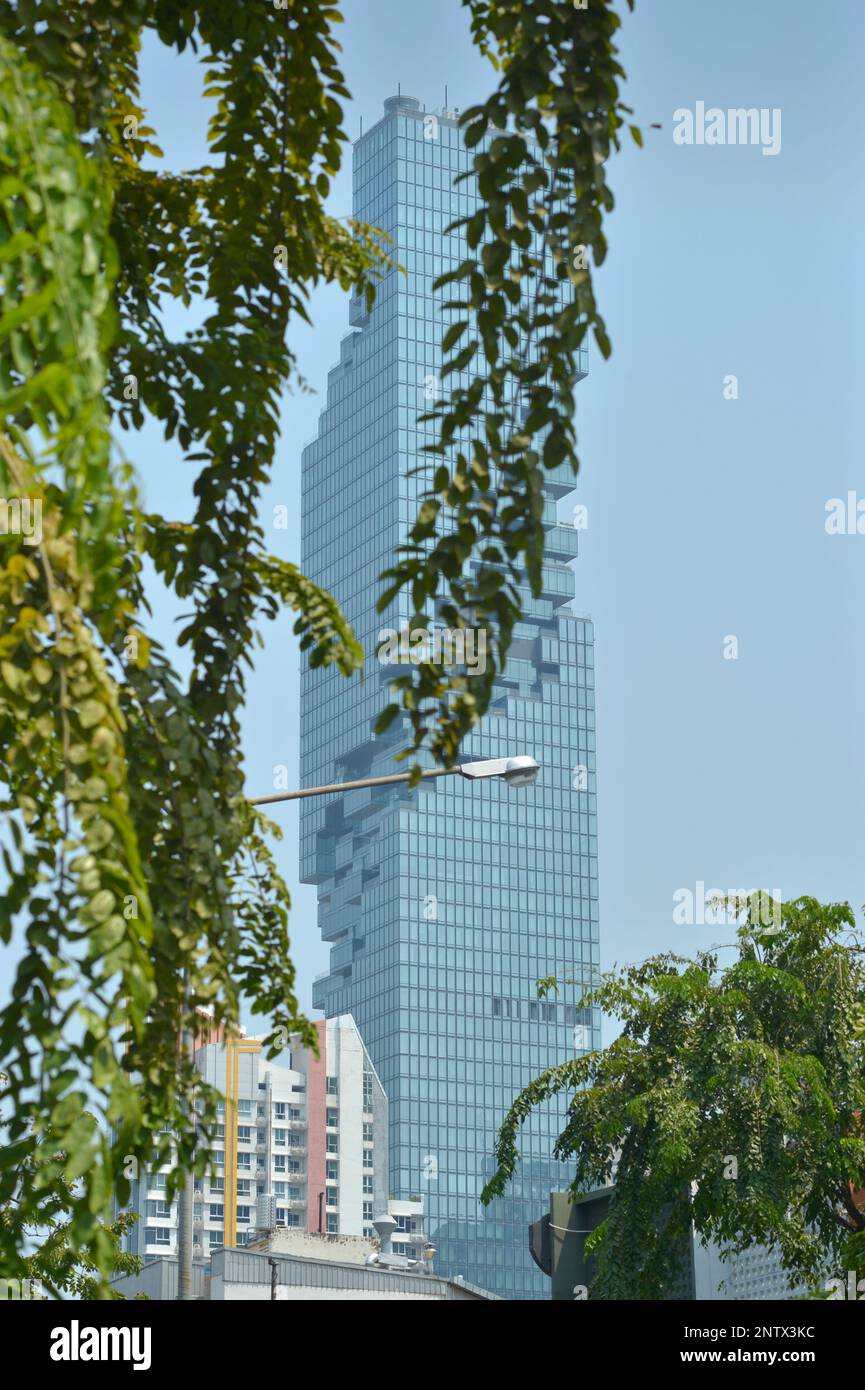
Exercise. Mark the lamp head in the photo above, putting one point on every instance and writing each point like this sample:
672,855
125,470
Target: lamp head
521,772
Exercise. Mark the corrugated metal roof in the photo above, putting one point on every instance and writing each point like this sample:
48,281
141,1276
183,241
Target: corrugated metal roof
245,1267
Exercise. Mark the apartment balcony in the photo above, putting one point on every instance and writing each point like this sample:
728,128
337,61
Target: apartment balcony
362,802
323,984
342,955
347,891
295,1148
557,583
283,1175
561,542
338,920
559,483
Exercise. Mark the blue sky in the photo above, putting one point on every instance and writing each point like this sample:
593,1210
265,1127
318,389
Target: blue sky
706,515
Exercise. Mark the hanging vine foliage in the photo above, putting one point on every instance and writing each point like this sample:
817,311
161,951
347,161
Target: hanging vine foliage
138,882
521,308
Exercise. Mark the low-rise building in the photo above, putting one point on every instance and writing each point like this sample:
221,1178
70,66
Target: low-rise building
300,1267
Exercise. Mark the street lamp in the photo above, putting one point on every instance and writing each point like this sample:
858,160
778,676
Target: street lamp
520,771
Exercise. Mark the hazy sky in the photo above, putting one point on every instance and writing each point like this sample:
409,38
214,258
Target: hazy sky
706,515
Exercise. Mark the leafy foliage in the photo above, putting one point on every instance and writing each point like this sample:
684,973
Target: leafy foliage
57,1267
525,306
732,1098
145,876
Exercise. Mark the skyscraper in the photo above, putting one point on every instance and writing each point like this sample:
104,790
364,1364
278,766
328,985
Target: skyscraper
443,905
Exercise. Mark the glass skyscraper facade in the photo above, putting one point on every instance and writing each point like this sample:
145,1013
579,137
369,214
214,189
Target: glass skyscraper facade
444,905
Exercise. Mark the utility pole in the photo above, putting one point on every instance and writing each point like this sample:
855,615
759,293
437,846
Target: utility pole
273,1269
184,1242
185,1209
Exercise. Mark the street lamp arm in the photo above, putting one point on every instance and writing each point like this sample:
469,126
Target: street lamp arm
351,786
517,772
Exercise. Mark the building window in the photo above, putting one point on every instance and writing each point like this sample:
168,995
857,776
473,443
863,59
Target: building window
367,1132
367,1092
332,1118
367,1184
332,1197
280,1216
159,1235
279,1189
215,1239
332,1144
331,1086
332,1223
244,1134
279,1109
243,1215
159,1211
218,1157
244,1160
279,1138
367,1158
367,1211
244,1108
215,1211
279,1162
242,1237
244,1187
331,1169
295,1112
217,1184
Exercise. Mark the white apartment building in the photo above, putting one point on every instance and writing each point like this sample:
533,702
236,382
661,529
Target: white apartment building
302,1142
